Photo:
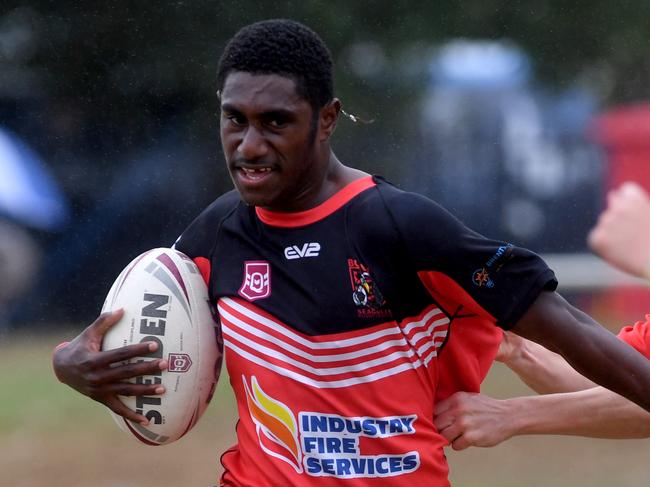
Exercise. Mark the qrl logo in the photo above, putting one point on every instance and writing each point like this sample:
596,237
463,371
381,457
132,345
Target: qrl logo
257,280
179,362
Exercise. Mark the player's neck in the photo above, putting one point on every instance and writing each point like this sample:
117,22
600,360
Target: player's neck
338,177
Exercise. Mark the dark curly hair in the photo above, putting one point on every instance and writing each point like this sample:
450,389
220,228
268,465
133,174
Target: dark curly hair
283,47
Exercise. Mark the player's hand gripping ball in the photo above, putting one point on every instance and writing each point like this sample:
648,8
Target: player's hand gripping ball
165,300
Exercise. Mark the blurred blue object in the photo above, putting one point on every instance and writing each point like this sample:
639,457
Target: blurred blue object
28,192
509,157
480,64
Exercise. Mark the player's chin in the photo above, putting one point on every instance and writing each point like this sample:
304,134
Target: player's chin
255,197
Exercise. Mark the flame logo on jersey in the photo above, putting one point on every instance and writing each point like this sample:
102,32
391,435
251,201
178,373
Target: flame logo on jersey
277,430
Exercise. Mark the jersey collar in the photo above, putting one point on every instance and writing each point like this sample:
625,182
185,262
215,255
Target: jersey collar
326,208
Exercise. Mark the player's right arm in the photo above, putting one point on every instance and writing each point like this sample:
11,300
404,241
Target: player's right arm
542,370
101,375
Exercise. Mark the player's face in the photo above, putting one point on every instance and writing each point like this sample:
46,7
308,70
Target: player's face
270,148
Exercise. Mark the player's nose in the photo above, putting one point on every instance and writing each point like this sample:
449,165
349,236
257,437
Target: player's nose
253,145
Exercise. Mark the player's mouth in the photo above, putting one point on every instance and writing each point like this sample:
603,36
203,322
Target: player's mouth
253,178
256,174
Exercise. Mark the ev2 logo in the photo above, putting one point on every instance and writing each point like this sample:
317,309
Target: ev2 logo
310,249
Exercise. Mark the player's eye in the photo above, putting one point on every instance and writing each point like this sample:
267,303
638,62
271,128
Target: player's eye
276,121
235,118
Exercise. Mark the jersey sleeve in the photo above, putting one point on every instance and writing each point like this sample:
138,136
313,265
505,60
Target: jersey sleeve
638,336
480,282
199,238
464,270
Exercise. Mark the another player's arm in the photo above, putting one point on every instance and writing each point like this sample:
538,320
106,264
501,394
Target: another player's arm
99,374
467,419
622,233
542,370
588,347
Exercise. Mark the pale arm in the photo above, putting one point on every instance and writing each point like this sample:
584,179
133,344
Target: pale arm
588,347
542,370
467,419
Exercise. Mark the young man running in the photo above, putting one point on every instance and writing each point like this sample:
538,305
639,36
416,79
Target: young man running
348,307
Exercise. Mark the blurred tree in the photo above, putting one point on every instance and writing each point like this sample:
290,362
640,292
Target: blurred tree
97,86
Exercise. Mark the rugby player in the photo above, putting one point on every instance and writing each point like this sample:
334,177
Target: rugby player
348,307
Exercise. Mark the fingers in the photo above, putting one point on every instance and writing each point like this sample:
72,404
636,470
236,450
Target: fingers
130,370
105,321
461,443
444,405
130,389
443,420
118,407
455,430
121,354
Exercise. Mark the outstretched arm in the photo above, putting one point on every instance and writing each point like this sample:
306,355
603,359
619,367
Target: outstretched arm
543,371
588,347
467,419
101,375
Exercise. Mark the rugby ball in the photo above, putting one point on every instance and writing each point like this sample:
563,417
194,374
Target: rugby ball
165,300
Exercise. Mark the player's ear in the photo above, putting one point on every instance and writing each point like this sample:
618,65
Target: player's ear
328,117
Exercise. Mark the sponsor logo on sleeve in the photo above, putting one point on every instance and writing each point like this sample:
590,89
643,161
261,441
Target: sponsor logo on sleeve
481,277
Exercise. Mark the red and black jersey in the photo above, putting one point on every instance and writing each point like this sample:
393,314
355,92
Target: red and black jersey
345,323
638,336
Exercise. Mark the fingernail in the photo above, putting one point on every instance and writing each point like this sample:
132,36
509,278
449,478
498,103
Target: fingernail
144,423
159,390
153,346
162,364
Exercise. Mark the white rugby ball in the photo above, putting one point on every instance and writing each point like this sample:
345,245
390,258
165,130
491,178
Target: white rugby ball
166,300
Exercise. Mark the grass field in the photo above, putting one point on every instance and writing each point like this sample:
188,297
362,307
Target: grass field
50,436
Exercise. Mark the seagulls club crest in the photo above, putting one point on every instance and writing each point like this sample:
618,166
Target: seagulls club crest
257,280
365,292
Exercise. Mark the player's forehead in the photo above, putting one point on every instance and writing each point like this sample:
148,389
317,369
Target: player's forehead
261,92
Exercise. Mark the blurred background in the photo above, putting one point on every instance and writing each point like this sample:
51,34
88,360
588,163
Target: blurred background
518,117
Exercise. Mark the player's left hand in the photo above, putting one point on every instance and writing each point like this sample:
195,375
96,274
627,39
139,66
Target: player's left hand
468,419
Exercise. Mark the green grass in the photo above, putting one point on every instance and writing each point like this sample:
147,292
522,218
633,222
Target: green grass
77,443
32,397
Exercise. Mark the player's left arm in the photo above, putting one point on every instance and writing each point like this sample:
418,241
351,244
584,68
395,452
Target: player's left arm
590,349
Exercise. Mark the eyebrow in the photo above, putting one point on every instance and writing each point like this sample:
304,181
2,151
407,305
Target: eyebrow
275,112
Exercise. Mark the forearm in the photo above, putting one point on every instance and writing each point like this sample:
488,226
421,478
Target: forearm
595,412
589,348
544,371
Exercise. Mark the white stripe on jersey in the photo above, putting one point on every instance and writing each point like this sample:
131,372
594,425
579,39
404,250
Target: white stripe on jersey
263,321
241,333
319,383
237,323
